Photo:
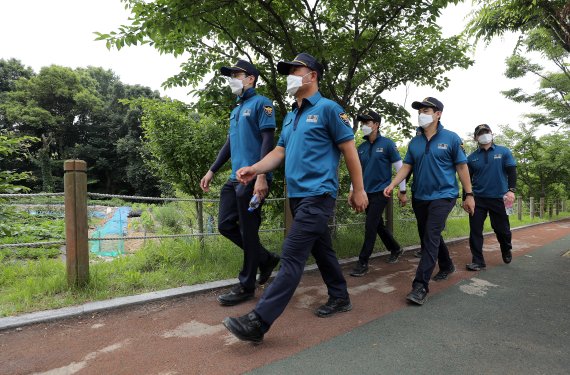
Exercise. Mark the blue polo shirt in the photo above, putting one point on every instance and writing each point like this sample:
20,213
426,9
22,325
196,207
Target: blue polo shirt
310,137
434,164
253,114
376,160
488,170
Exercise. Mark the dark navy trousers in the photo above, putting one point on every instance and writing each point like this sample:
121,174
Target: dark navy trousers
241,227
431,217
495,207
375,226
309,234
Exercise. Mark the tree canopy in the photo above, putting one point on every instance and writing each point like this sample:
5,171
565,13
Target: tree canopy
366,46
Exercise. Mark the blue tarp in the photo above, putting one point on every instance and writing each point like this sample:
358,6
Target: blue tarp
114,227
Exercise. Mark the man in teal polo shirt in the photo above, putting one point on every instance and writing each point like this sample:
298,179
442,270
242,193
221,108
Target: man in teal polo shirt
493,173
377,155
252,127
314,136
435,155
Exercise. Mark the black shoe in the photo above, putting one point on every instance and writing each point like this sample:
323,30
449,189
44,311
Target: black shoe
266,269
443,275
237,295
394,256
475,267
246,328
418,295
507,256
333,306
418,254
360,269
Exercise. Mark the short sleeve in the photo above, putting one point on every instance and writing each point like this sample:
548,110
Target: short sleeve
459,156
409,158
393,152
509,160
266,115
339,124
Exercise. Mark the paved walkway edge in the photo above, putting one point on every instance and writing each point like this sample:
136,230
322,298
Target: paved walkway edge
115,303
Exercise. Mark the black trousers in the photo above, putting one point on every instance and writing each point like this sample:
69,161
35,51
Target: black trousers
495,207
375,226
309,234
431,217
241,227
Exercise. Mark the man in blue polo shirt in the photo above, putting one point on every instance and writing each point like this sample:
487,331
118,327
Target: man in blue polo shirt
435,155
252,127
493,173
377,154
314,135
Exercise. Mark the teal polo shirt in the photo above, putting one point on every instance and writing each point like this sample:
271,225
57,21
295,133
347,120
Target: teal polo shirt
488,170
376,161
310,137
434,164
253,114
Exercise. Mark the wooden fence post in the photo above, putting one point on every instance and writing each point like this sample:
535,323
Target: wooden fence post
76,227
519,208
531,208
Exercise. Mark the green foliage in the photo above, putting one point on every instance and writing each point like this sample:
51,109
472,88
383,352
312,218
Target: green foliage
367,47
181,144
14,148
495,17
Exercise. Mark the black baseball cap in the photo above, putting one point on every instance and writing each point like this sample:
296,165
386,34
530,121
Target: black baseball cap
428,102
302,59
480,128
369,115
240,66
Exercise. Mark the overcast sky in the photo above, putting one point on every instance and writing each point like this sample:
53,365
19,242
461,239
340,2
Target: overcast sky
40,33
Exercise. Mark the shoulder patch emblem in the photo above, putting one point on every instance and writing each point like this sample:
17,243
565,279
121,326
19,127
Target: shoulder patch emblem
344,117
268,110
463,148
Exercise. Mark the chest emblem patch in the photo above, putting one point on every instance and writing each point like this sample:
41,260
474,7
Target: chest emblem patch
442,146
380,149
312,118
498,156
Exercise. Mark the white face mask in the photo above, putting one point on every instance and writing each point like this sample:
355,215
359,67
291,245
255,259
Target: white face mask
366,130
294,83
485,139
425,120
236,85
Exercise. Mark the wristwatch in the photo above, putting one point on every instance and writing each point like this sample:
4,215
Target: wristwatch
512,190
468,194
402,192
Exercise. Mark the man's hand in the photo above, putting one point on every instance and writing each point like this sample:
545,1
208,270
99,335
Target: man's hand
358,200
261,188
205,181
388,191
469,205
510,197
403,198
246,174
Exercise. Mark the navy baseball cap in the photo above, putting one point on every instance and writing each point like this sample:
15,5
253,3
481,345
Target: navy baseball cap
428,102
302,59
368,116
480,128
240,66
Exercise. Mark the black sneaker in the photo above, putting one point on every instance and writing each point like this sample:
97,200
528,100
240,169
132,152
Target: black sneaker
266,269
360,269
246,327
418,295
507,256
475,267
333,306
444,274
418,253
395,256
237,295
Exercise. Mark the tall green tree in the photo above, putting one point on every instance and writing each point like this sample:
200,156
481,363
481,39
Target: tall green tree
367,46
495,17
